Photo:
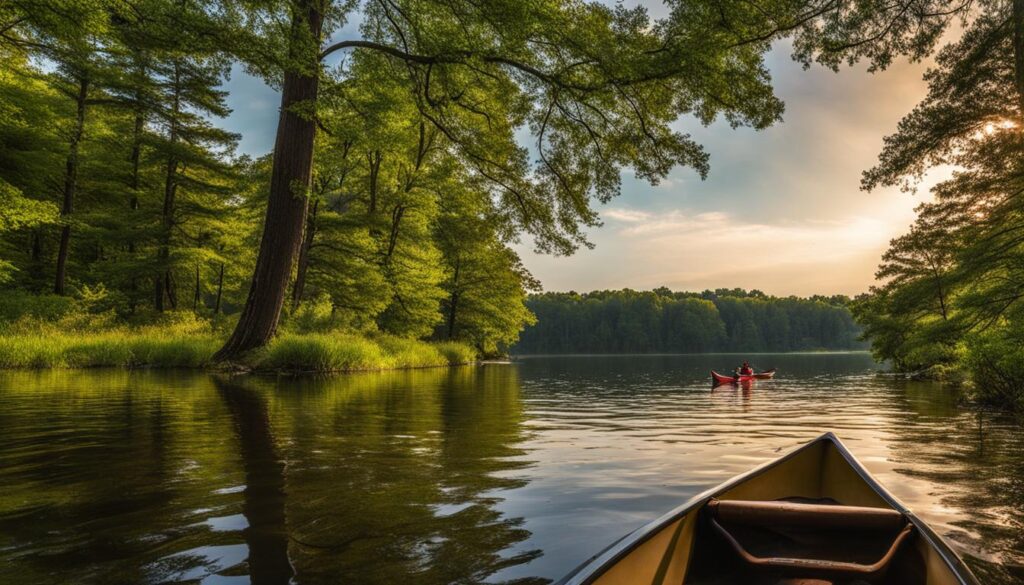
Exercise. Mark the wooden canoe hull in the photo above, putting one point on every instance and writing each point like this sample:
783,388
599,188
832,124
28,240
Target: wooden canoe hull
662,551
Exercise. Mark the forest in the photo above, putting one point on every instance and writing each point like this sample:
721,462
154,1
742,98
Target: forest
662,321
418,142
948,303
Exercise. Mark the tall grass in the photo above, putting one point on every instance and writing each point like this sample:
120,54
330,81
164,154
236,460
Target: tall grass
107,349
83,340
181,341
339,352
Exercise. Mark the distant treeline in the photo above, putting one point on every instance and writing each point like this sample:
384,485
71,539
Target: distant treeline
628,321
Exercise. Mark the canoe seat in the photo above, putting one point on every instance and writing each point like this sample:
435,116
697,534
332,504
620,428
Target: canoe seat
810,539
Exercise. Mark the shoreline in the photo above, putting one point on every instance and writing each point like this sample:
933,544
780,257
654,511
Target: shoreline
290,353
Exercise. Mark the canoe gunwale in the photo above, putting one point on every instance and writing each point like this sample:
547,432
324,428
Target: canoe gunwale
594,567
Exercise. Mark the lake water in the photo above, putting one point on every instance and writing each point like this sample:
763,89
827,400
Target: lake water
496,473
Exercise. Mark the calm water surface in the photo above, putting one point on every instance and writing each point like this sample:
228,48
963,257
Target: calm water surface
498,473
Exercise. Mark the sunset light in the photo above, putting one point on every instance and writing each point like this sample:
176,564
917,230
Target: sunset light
533,292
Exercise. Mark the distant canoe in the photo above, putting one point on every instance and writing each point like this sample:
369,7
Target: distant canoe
813,516
723,379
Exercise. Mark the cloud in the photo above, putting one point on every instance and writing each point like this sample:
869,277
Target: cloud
688,250
626,215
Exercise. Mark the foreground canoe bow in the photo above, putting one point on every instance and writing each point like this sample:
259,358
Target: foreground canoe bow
812,517
723,379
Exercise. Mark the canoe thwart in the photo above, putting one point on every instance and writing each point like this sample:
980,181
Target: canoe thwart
760,525
796,514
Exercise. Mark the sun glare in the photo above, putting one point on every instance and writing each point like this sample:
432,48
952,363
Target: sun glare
994,126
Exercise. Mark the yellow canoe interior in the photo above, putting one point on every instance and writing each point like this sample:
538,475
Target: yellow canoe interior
688,547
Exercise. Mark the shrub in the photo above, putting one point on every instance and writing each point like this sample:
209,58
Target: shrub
993,359
321,352
456,353
18,304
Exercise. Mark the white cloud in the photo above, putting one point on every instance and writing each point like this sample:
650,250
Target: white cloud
688,250
626,215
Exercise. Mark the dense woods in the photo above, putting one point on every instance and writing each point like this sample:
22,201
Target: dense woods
417,142
950,299
662,321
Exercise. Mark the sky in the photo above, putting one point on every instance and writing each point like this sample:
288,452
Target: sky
781,211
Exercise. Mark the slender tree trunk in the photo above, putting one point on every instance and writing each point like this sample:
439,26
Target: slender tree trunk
220,289
195,298
133,185
135,158
286,207
453,302
37,247
158,292
170,191
373,160
70,185
172,290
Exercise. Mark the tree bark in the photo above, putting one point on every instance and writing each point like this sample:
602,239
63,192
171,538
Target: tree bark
37,247
133,185
453,302
158,292
195,297
307,243
220,289
290,179
70,185
170,191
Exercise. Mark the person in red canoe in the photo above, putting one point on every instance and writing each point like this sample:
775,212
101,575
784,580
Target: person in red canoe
746,370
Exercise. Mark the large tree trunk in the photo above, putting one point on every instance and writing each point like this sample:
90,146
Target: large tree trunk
70,185
307,243
286,207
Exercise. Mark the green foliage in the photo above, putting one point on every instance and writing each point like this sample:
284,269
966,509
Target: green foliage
993,358
16,305
952,285
456,353
662,321
340,352
321,352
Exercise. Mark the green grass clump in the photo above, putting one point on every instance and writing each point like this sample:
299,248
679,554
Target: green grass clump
456,353
410,353
174,351
341,352
321,352
117,348
31,352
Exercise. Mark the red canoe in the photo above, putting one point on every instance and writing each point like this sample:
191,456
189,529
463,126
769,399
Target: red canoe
722,379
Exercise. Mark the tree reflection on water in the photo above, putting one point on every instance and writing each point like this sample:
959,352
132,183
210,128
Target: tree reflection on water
978,459
164,478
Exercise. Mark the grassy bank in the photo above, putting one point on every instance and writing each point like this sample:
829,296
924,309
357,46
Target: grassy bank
192,343
341,352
